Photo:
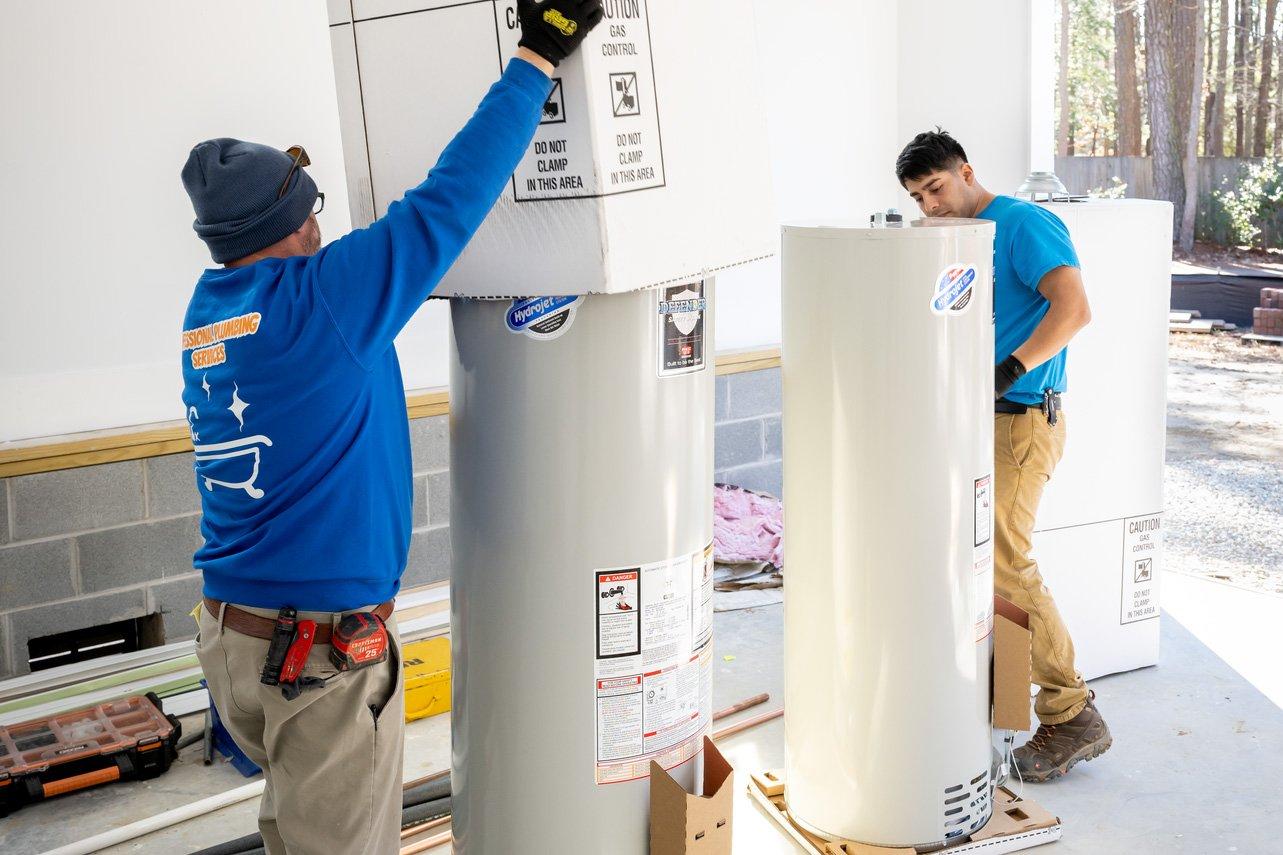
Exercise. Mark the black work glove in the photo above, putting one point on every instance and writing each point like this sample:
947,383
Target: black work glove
554,28
1005,375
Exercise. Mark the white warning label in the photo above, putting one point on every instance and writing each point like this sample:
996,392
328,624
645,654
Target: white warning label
702,600
982,571
599,134
982,557
1142,551
653,673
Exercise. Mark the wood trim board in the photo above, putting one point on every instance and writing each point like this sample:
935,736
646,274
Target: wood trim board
51,454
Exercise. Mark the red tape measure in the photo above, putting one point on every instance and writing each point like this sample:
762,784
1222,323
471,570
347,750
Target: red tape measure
360,640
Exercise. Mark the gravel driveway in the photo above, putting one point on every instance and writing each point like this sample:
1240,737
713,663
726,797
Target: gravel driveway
1224,484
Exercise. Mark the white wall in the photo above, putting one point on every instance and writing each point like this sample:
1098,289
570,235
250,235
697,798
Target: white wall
98,254
965,65
830,115
101,104
844,98
1042,85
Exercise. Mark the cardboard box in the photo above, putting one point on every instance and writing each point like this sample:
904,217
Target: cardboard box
1016,824
650,165
683,823
1012,666
1098,539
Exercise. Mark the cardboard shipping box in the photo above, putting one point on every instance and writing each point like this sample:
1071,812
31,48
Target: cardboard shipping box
1016,824
650,165
1099,536
685,824
1012,666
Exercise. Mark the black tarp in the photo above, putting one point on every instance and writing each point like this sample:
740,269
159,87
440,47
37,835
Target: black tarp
1228,297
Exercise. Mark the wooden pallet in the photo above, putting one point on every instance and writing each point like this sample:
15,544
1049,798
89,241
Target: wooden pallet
1198,325
1017,824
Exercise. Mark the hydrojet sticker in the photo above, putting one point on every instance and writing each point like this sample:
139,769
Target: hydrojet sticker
954,289
542,318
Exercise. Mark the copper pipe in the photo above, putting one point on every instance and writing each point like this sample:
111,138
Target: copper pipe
741,706
732,729
426,779
425,845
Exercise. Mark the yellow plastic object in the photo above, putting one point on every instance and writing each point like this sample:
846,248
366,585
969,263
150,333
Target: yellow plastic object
426,665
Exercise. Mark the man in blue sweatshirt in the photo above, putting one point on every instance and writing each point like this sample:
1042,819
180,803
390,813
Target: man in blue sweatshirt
1039,305
294,398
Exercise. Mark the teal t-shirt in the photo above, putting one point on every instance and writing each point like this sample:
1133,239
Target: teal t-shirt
1030,242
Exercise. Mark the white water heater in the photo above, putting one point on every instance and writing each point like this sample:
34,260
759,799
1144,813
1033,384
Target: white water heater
581,445
888,484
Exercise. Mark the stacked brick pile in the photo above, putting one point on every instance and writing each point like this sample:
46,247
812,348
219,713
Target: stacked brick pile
1268,319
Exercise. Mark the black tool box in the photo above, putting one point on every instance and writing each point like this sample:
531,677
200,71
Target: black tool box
124,740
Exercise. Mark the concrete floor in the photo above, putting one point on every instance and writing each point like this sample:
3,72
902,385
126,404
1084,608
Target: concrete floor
1244,627
1194,766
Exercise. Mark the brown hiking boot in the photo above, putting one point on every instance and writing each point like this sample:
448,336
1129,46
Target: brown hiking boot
1055,748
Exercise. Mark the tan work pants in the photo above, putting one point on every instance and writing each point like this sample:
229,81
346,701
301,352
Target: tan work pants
1026,451
331,757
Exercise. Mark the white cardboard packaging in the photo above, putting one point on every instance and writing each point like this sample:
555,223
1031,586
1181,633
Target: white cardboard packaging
1098,538
650,165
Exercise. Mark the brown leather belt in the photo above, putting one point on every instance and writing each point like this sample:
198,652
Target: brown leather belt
255,626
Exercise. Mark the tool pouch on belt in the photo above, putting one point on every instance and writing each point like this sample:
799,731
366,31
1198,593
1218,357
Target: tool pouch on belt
278,647
287,654
359,641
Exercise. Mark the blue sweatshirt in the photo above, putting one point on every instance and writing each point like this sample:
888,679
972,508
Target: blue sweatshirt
293,391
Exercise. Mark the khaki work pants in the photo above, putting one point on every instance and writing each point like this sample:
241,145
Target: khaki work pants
331,757
1026,451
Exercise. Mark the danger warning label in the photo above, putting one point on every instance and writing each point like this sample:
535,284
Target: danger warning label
599,133
1142,551
653,674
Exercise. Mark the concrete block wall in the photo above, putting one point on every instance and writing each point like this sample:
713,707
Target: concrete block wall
88,546
748,442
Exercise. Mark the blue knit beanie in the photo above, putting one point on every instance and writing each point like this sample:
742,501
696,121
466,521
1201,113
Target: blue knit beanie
233,187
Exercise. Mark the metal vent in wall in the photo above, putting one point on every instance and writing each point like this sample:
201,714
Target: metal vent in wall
967,806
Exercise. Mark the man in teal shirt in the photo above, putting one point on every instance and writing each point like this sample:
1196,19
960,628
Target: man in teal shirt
1039,305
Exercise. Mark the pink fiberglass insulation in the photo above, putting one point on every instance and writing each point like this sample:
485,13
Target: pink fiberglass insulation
747,526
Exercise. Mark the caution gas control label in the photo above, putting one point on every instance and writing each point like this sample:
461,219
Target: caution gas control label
1142,551
599,134
653,672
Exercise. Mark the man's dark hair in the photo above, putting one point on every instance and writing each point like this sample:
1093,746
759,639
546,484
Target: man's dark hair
931,151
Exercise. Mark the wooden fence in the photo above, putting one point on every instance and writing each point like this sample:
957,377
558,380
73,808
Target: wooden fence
1083,174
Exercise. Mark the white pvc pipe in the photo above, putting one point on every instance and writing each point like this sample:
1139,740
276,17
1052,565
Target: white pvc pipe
161,820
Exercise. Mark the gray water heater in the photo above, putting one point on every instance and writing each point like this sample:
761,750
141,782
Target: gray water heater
581,446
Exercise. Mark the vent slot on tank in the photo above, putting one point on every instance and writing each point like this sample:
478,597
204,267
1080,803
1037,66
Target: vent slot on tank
966,807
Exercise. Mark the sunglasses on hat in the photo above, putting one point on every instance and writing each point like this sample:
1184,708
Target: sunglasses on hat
300,159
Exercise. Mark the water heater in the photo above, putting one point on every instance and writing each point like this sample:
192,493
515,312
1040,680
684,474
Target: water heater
581,446
888,485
